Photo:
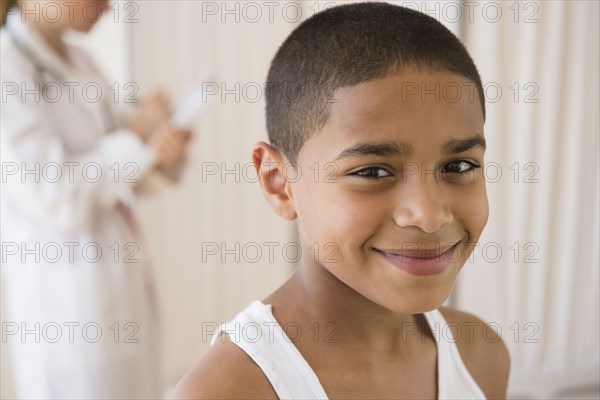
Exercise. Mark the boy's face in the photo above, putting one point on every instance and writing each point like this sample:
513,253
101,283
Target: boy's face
399,199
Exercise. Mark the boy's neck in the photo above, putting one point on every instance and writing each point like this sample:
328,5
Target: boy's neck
314,295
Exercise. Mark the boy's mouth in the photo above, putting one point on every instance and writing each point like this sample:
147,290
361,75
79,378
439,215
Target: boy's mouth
421,259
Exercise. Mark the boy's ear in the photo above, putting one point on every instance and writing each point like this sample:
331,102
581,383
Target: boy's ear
270,165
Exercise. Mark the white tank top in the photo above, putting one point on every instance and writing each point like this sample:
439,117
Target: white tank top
256,331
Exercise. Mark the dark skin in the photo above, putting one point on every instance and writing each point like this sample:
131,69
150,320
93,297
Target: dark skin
372,203
226,372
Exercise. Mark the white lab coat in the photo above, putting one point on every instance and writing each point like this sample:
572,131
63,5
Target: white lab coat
80,324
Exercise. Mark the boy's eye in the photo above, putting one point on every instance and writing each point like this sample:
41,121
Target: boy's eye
372,173
459,167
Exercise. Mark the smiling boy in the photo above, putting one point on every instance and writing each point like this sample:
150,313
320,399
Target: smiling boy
385,178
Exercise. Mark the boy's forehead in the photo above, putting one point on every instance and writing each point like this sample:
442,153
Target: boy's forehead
420,107
412,99
409,87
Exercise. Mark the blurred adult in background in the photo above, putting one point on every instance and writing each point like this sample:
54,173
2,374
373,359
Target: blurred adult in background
80,316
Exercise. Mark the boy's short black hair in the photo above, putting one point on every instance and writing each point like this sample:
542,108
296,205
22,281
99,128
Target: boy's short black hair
344,46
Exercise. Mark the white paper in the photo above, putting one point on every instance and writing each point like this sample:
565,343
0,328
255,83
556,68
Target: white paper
192,105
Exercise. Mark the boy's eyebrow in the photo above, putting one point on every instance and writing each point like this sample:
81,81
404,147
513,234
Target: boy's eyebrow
376,149
455,146
403,149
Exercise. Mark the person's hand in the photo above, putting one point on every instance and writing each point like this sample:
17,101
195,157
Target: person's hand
169,143
153,111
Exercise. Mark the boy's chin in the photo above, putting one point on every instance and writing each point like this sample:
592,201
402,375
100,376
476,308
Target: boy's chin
427,300
418,308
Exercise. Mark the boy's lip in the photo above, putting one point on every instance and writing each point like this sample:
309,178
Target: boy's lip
419,250
421,261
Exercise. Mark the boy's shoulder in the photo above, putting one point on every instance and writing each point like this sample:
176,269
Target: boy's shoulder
224,372
482,350
227,372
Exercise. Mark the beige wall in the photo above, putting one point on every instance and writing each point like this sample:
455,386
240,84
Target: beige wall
172,48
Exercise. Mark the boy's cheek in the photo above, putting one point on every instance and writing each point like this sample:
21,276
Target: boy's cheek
332,222
474,215
484,208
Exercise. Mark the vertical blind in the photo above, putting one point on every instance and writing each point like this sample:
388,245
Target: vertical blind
539,62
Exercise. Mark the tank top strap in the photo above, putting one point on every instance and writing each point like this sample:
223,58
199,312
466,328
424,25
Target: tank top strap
454,380
256,331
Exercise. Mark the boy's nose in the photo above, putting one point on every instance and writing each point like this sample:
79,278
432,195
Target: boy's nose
423,205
